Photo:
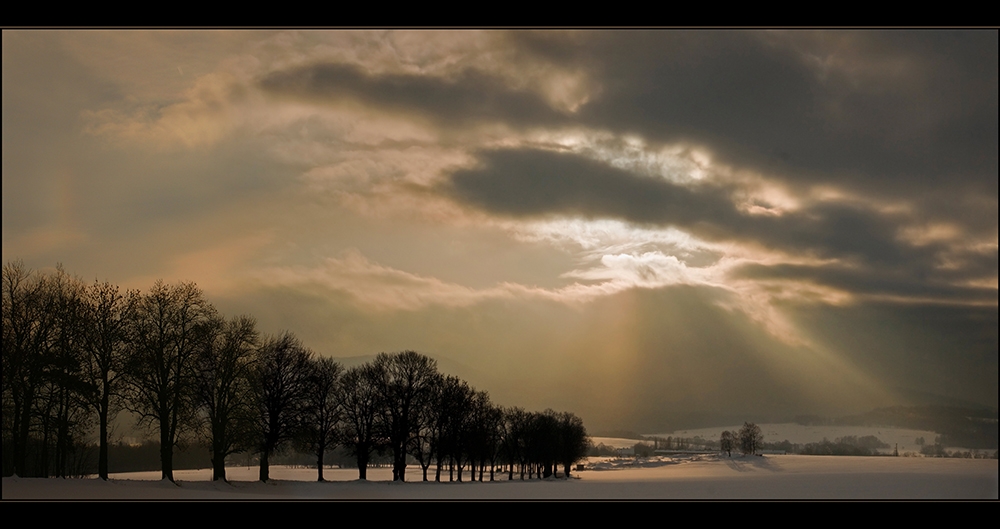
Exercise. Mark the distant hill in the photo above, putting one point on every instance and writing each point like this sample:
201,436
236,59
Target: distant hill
958,426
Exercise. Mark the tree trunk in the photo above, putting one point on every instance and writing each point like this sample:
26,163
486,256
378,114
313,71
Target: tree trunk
102,458
21,448
218,467
218,462
265,470
399,466
319,464
362,465
166,456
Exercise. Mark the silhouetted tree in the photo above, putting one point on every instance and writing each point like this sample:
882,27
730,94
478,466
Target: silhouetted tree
64,419
482,427
750,438
518,426
323,410
69,350
107,314
360,408
572,442
477,433
425,443
457,406
281,389
404,387
546,435
494,427
46,392
726,442
29,318
447,411
224,387
161,369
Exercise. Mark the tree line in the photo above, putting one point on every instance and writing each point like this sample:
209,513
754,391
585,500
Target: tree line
76,354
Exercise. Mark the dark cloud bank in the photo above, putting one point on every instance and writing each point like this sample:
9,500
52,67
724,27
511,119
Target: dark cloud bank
534,183
884,111
874,109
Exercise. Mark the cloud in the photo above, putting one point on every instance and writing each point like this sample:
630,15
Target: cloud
529,182
875,110
380,288
470,96
211,110
873,283
863,247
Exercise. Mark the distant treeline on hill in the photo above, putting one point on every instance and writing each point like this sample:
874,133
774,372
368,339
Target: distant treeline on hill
74,354
848,445
973,428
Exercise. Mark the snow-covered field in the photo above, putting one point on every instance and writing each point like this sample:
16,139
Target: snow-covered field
701,477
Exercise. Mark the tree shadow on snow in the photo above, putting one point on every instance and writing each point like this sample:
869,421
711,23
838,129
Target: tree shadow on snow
751,463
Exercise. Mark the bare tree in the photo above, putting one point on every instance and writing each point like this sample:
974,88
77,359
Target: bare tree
455,408
449,411
65,412
726,442
360,412
281,387
50,382
47,392
323,410
546,433
29,319
224,392
481,431
750,438
428,435
107,315
572,443
497,428
405,386
161,368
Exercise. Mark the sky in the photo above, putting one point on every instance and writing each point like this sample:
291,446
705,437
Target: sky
646,228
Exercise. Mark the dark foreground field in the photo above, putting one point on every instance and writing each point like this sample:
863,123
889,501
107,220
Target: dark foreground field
768,477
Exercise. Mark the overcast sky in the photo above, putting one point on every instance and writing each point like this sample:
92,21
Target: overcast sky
632,225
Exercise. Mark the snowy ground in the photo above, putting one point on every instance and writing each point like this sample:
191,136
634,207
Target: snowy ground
712,477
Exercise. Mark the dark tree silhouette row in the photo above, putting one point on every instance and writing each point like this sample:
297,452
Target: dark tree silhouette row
73,352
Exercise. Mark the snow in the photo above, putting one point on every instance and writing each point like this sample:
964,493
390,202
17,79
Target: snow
697,477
